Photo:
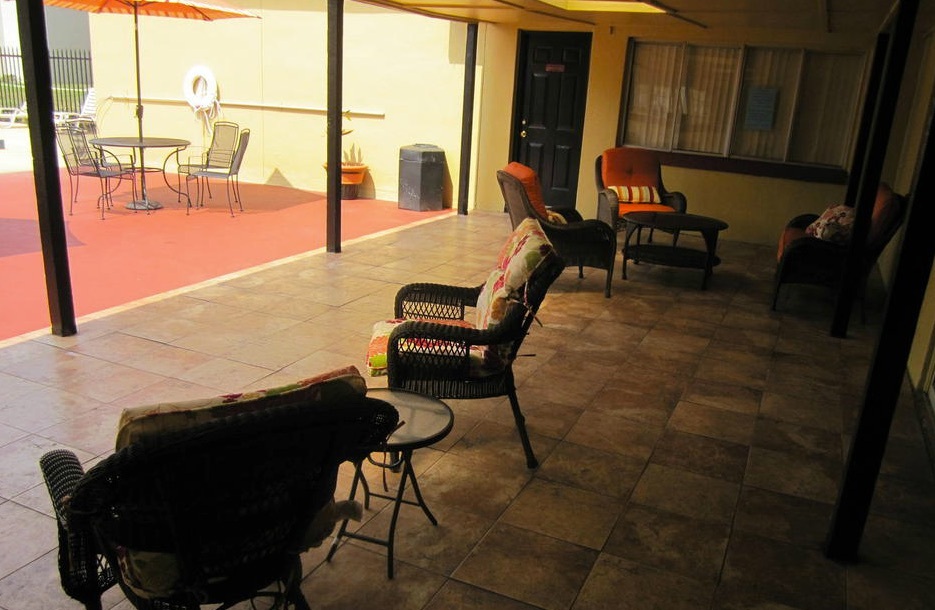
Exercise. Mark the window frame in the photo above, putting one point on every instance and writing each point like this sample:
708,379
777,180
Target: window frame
731,162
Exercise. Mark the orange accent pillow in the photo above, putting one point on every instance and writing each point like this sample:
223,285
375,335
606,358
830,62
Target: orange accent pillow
530,180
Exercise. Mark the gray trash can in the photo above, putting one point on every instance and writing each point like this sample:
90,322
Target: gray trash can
421,177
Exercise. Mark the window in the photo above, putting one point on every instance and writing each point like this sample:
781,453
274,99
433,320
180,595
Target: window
765,104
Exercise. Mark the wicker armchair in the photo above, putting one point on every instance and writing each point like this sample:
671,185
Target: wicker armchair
581,243
617,171
803,258
210,514
435,350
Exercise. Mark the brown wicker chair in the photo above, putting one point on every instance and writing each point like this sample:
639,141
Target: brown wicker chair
445,370
225,505
804,259
581,243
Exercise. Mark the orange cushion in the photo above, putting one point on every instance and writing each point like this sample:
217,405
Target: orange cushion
530,180
626,208
885,211
789,235
632,166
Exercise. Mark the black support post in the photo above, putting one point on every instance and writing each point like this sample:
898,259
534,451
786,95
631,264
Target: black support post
335,84
889,363
38,77
898,51
467,117
866,118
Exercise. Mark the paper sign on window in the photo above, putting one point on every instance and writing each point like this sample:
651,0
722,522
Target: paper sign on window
761,108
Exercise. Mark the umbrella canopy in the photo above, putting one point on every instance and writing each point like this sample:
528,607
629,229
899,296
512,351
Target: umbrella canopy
180,9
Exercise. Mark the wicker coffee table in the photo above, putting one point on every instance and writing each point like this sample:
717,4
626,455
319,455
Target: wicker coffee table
669,255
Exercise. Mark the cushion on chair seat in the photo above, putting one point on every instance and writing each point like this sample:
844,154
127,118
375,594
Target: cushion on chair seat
139,422
626,208
482,361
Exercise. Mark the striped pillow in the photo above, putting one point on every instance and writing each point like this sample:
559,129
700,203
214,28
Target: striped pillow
637,194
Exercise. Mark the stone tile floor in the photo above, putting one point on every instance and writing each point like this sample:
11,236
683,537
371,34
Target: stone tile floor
691,442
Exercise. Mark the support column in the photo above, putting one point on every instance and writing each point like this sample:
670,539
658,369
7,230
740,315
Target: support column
467,117
335,84
38,77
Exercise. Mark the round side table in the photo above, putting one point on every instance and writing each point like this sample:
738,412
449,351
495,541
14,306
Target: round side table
423,421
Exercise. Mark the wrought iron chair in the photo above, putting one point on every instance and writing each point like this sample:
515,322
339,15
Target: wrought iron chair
82,159
219,154
432,348
230,174
215,513
581,243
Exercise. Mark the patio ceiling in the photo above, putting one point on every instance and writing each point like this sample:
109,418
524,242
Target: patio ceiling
856,17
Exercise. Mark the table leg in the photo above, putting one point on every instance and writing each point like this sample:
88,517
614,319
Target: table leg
631,226
144,203
398,500
710,240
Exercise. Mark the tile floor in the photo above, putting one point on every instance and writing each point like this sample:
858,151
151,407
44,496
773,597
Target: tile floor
690,441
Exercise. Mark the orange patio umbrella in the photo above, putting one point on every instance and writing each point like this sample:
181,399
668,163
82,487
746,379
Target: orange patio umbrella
181,9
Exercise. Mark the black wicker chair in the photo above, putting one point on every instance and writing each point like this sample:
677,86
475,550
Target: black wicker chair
804,259
581,243
225,504
445,370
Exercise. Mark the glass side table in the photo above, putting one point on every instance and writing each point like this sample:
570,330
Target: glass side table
424,420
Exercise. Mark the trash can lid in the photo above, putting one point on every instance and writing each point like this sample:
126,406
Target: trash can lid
422,152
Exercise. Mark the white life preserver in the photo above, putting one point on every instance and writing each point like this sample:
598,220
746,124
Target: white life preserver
200,88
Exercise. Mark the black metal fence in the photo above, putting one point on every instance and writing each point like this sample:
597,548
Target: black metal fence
71,78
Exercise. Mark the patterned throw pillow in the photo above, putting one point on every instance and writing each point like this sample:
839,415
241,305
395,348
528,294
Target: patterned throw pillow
637,194
835,224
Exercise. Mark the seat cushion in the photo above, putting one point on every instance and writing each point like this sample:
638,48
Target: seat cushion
139,422
482,361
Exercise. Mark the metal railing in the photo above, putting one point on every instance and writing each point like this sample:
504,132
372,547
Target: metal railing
71,78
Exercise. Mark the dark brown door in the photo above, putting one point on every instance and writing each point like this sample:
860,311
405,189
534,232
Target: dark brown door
548,120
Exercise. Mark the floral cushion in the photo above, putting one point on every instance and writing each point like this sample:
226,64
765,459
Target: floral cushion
524,249
139,422
482,361
834,224
637,194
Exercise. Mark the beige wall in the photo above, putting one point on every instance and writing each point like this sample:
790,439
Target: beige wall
402,88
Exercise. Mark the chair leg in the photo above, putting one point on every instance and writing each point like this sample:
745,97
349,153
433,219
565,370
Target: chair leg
776,295
531,461
610,277
580,271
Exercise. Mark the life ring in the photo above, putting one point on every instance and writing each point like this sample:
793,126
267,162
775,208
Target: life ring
200,88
